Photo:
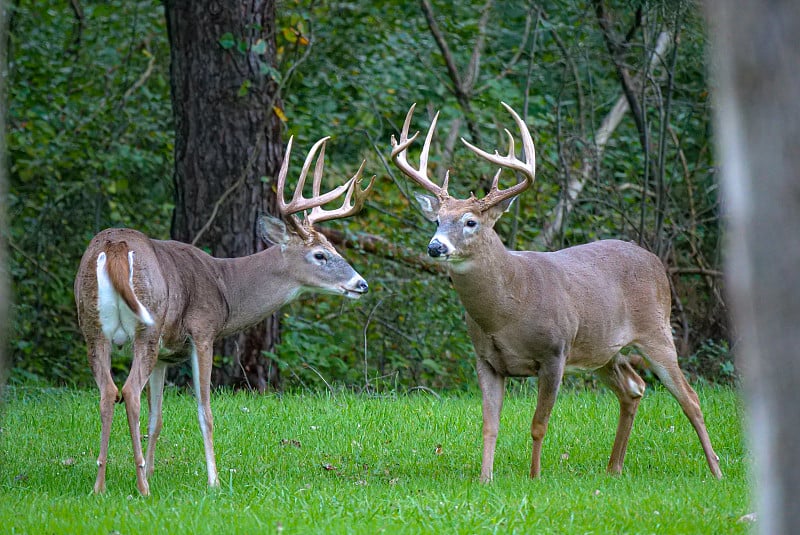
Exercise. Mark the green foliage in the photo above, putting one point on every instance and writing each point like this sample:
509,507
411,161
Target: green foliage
339,463
90,145
564,75
89,141
715,359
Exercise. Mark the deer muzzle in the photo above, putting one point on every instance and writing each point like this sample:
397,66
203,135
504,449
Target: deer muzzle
436,248
355,287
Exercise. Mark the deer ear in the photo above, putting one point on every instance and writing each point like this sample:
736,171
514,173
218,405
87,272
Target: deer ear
272,230
502,207
429,206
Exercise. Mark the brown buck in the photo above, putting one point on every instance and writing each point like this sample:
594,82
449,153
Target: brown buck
173,300
541,314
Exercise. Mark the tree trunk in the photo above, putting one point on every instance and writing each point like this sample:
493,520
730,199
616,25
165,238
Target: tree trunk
227,138
4,293
758,123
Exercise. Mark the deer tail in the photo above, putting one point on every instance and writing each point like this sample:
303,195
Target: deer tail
115,272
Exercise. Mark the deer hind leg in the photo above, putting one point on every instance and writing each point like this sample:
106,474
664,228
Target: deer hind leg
663,359
626,384
155,396
145,355
492,390
100,362
550,375
201,372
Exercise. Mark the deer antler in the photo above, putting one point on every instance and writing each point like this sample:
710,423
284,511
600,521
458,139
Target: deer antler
400,157
527,167
495,195
353,200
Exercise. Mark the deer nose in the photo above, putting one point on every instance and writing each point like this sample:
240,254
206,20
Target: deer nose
362,286
436,248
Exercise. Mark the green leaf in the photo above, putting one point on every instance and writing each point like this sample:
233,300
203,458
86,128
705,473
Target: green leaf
244,89
268,70
227,41
260,47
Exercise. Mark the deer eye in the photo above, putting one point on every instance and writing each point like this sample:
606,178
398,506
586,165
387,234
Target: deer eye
319,256
471,223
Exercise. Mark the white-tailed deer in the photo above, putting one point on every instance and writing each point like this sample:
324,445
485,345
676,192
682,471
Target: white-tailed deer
173,300
540,314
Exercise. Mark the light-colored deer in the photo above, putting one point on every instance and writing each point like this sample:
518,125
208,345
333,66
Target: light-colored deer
541,314
173,300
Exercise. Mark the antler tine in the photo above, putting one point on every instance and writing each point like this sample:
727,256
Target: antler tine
354,193
298,202
400,156
526,167
282,177
317,179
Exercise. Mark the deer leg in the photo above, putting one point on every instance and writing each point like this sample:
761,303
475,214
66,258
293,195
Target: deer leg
550,375
663,360
100,362
145,355
492,390
201,372
629,389
155,394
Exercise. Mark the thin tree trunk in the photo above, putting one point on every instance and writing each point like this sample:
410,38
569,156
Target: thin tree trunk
226,139
758,124
4,293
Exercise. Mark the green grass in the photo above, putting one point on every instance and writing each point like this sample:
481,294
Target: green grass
388,476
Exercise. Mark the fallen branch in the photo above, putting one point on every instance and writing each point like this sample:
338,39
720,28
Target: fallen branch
695,271
379,246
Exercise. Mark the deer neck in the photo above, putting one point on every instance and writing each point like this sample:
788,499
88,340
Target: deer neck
486,283
256,286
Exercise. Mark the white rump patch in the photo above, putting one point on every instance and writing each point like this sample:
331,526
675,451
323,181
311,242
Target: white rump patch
117,321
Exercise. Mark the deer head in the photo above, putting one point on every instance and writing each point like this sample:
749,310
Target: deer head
315,262
464,224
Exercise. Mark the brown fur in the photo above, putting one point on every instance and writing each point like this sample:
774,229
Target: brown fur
119,271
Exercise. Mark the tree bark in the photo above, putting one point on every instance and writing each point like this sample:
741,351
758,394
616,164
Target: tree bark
758,123
227,138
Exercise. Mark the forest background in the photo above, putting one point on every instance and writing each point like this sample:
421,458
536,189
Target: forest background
616,94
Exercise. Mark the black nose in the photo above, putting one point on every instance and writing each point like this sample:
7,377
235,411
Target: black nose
436,248
362,286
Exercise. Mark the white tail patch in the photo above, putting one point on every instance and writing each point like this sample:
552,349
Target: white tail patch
116,319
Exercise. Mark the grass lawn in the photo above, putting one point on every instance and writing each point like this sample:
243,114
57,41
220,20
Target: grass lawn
323,463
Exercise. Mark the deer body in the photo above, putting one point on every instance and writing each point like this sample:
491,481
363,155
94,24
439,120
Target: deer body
542,314
172,300
188,290
577,299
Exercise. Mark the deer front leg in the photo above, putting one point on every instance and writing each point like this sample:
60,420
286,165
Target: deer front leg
492,389
201,372
626,384
550,374
145,355
100,362
154,399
